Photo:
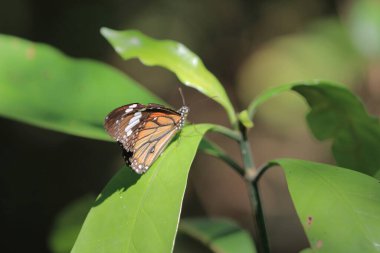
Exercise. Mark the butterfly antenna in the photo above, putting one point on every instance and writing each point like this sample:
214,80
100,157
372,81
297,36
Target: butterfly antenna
182,96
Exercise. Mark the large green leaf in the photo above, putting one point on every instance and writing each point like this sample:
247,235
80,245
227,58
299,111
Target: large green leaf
339,208
141,213
220,235
41,86
339,115
172,55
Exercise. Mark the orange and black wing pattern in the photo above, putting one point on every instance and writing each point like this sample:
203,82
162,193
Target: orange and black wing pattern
144,131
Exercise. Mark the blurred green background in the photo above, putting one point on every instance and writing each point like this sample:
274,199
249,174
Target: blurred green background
248,45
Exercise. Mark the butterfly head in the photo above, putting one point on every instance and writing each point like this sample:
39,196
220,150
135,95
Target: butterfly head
184,111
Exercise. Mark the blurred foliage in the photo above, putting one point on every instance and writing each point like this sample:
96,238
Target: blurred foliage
327,49
322,52
220,235
363,23
43,87
337,114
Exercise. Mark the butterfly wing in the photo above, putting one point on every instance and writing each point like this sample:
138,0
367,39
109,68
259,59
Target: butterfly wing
152,138
143,132
119,119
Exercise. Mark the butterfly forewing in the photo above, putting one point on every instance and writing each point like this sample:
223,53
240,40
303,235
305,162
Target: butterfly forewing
117,121
144,131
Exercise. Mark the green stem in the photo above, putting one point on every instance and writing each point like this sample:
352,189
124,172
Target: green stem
261,170
261,238
246,155
233,134
266,95
249,173
212,149
259,218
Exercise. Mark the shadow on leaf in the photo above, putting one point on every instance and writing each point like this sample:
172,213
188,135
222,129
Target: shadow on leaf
124,179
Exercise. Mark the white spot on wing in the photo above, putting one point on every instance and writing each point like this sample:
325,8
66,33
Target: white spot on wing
136,117
131,125
133,122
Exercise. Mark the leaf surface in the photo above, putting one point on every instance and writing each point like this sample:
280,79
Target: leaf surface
173,56
339,208
41,86
338,115
137,213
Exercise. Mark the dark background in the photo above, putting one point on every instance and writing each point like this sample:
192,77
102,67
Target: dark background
44,171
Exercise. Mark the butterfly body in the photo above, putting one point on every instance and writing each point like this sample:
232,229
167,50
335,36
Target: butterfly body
144,131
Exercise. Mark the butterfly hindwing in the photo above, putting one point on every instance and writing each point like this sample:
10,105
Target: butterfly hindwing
152,138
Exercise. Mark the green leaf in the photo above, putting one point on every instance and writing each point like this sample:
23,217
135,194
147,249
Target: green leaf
338,208
339,115
173,56
141,213
265,96
245,119
41,86
68,223
221,235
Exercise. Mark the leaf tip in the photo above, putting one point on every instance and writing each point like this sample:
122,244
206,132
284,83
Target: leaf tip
106,32
245,119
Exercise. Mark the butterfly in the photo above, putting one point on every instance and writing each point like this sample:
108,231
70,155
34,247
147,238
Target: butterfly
144,131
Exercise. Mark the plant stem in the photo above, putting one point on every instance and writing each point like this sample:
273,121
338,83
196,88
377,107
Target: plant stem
246,154
258,217
233,134
261,238
212,149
